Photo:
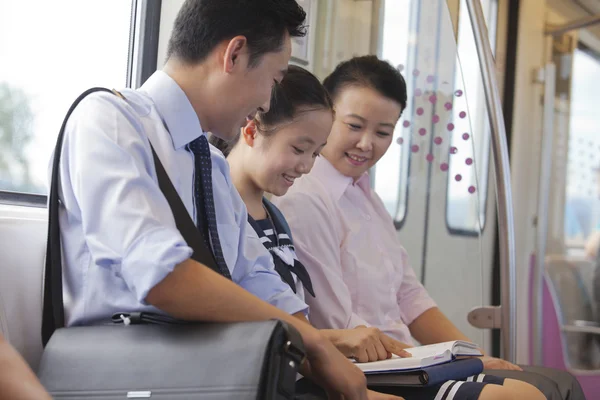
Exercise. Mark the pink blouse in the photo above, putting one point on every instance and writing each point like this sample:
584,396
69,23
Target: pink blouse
347,241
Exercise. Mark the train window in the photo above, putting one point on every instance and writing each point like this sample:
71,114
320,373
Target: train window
392,170
49,56
470,141
582,207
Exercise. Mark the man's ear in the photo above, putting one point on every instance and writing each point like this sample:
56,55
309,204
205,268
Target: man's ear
234,53
249,132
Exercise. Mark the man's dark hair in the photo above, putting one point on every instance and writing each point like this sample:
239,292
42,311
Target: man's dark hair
368,71
299,92
202,24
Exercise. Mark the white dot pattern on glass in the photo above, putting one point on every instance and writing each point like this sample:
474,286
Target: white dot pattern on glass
204,195
432,106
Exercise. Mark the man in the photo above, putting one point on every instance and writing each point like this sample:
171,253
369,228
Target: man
122,250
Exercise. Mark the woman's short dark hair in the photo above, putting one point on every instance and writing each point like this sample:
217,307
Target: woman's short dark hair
299,92
368,71
202,24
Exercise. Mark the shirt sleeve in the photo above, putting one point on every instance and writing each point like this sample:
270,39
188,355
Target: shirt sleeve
413,299
108,180
254,269
318,247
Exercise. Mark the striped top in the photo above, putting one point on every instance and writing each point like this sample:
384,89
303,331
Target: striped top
283,250
274,235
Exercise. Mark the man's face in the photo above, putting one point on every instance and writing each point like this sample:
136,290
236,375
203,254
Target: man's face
248,89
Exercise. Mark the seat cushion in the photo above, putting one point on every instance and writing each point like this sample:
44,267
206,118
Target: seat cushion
22,250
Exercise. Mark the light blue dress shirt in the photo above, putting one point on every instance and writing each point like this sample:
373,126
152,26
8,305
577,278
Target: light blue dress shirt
118,233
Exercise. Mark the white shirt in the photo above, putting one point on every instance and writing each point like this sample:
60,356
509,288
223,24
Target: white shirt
118,232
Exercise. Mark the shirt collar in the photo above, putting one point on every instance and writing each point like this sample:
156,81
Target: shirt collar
364,182
334,180
174,108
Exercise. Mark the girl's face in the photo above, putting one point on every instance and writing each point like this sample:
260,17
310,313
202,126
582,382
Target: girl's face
362,131
287,153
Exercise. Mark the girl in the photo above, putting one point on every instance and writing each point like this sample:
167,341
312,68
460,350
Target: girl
273,150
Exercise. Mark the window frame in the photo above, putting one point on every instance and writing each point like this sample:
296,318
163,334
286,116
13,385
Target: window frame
406,165
573,246
141,63
486,154
23,199
145,32
405,152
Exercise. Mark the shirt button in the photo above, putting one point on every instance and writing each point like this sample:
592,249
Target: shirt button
367,217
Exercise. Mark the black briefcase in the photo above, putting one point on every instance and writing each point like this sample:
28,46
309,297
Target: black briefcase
251,360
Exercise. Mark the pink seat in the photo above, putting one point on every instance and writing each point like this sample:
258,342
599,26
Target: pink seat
571,337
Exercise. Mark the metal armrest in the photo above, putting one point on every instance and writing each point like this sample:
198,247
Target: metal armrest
585,323
581,329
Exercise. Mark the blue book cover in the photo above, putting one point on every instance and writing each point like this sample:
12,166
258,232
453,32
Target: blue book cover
428,376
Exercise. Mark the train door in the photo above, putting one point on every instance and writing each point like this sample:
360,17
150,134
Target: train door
434,181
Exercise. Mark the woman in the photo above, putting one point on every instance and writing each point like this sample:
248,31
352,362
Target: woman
346,239
273,150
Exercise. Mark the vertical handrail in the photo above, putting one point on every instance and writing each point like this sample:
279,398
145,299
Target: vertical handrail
502,175
543,207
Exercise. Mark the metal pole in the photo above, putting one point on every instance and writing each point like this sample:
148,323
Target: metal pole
504,195
542,213
573,25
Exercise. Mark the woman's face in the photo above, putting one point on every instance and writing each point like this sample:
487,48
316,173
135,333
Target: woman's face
277,159
362,131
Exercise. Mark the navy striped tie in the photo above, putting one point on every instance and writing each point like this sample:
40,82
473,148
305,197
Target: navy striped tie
205,205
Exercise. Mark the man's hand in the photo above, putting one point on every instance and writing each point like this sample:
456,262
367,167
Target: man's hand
332,370
497,363
366,344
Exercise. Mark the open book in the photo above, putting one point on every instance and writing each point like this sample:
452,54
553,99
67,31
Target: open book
422,357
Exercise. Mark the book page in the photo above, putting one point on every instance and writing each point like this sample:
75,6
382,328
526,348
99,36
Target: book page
457,347
431,349
422,357
400,364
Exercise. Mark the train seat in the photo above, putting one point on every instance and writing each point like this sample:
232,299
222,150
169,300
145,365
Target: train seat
571,333
22,251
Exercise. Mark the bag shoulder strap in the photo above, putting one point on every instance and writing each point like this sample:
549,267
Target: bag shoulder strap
193,236
273,210
53,316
